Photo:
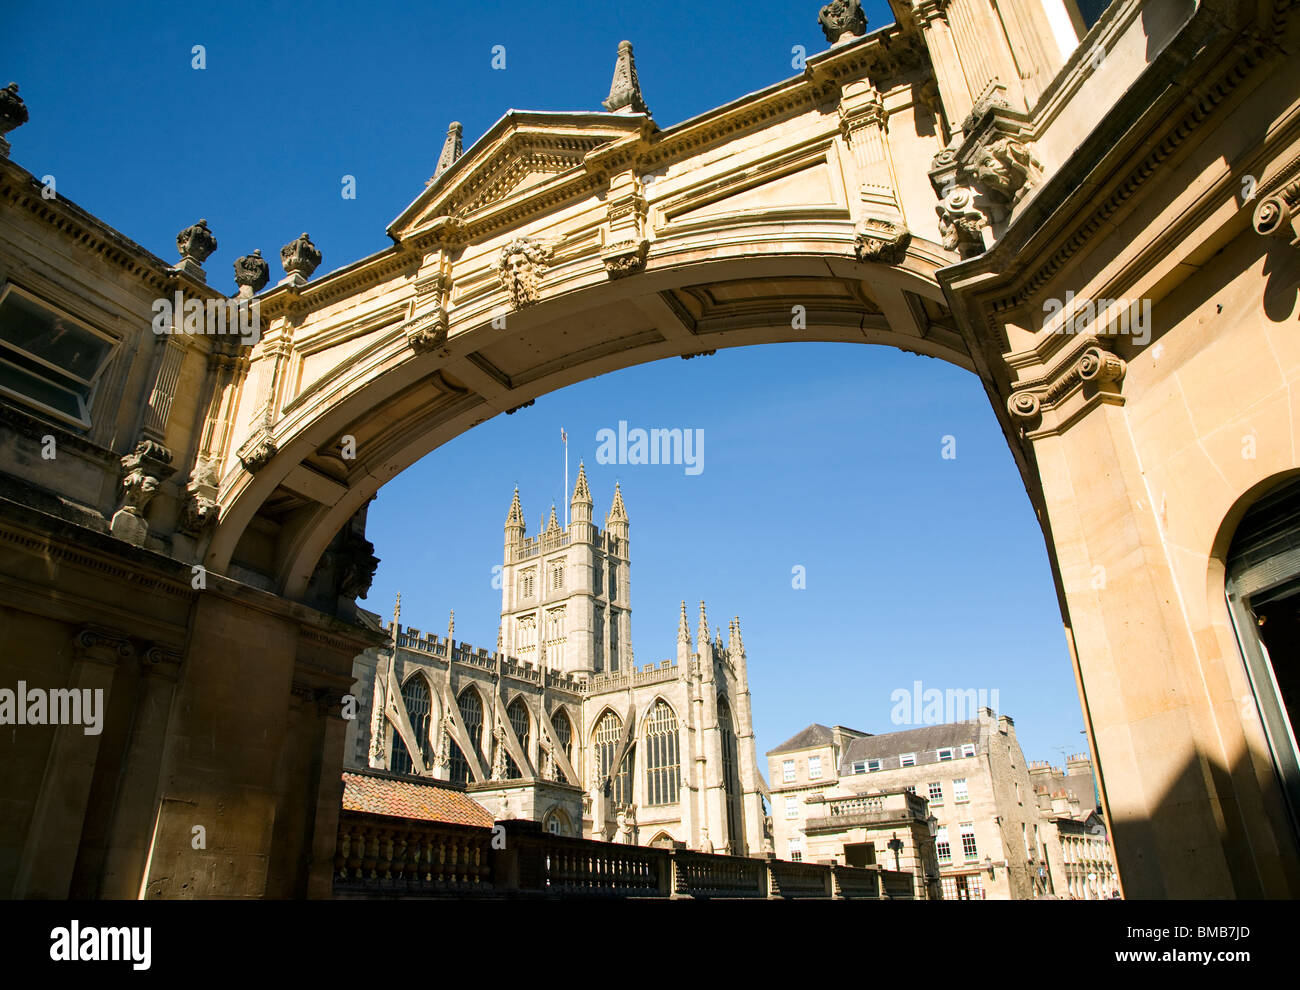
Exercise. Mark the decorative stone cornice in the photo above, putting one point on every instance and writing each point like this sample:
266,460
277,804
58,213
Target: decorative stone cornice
1214,90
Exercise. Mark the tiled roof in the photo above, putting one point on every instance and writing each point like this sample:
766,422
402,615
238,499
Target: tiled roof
814,735
920,740
428,802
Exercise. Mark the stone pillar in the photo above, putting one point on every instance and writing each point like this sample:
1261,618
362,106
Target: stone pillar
1135,660
134,812
329,796
223,744
49,856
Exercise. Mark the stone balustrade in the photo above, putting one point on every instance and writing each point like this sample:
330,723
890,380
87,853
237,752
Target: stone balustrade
393,857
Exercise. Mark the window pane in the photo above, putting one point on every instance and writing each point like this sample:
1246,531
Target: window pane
51,338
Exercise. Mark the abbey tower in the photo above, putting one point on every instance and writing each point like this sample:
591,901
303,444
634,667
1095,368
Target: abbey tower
566,592
559,724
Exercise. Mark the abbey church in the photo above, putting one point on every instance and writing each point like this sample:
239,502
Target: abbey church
559,724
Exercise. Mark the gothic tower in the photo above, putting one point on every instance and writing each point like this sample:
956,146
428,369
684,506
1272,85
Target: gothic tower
565,593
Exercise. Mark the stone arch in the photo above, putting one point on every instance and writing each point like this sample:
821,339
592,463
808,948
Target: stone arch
1252,571
847,301
556,821
662,840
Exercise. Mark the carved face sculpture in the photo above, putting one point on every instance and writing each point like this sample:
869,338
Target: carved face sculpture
520,269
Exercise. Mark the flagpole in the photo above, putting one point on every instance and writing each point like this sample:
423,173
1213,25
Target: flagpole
565,494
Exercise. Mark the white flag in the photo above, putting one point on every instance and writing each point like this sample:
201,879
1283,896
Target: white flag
564,437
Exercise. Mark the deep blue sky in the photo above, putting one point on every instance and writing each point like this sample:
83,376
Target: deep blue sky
822,456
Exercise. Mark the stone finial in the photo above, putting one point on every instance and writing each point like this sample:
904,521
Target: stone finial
625,90
252,273
452,149
515,518
195,244
581,490
13,113
617,511
841,20
683,630
300,257
451,625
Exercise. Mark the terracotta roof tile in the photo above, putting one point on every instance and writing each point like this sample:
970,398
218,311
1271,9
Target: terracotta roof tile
411,799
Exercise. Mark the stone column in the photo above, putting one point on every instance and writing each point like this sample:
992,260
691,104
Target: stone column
329,796
53,839
133,814
223,744
1134,657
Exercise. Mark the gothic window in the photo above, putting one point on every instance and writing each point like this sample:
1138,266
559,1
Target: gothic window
600,639
527,584
419,709
471,713
556,822
614,663
730,776
557,575
564,736
518,715
613,580
598,575
608,732
400,761
663,768
49,359
527,638
662,841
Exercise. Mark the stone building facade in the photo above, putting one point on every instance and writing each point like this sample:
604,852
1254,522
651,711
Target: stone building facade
573,733
988,840
1080,856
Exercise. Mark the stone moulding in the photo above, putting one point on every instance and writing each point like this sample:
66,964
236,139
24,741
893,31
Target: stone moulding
1095,364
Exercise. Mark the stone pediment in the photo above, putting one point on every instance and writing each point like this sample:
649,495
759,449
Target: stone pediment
524,152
